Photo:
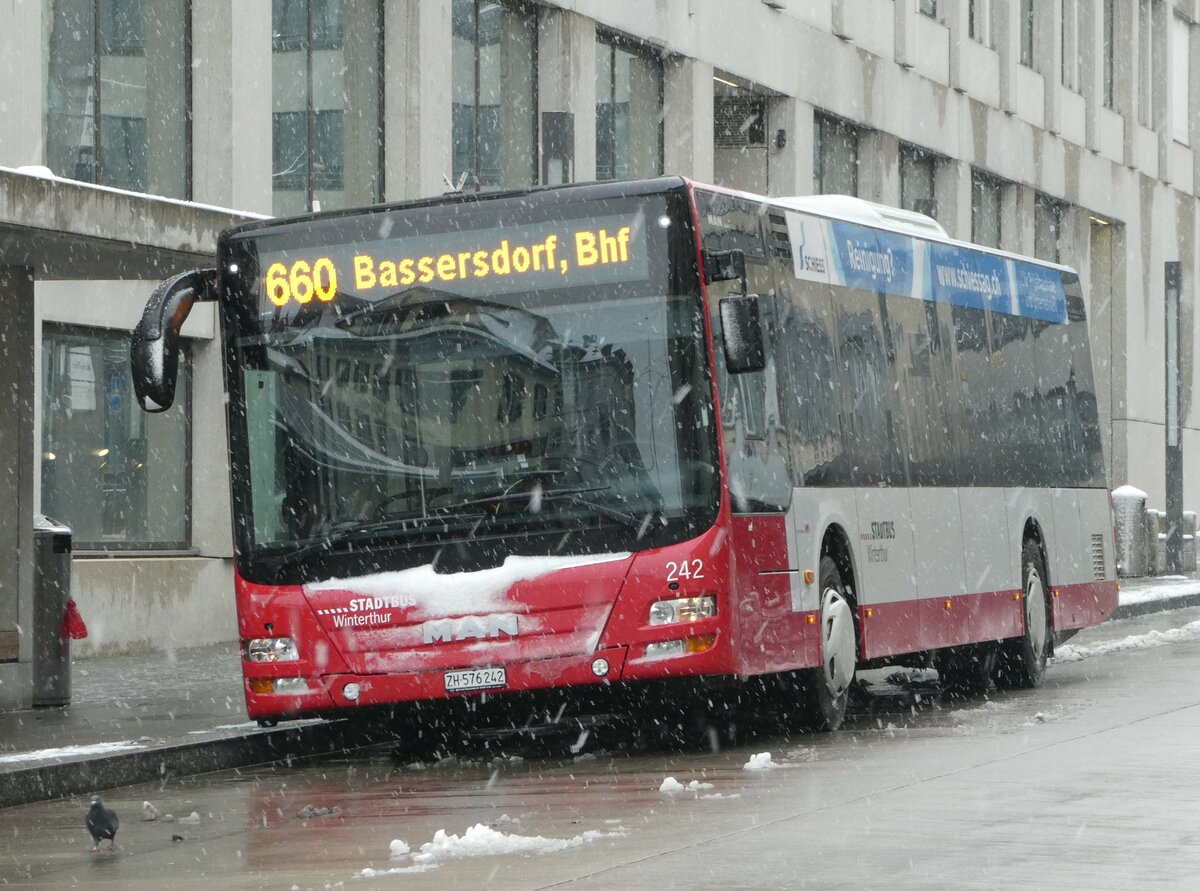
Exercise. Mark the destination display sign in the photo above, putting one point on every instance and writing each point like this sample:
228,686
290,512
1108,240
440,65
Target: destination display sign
473,263
855,256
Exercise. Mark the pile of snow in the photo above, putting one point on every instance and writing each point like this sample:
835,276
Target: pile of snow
483,841
399,848
670,784
1149,640
761,761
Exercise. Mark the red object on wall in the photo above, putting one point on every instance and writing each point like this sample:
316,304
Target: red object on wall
73,626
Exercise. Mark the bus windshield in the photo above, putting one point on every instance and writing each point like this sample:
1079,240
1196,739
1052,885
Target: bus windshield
479,383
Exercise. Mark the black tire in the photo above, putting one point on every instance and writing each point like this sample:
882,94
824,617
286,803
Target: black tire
816,697
1022,660
967,671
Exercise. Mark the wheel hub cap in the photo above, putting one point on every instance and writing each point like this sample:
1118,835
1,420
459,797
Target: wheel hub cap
837,642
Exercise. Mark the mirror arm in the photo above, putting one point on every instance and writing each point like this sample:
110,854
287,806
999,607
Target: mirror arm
154,347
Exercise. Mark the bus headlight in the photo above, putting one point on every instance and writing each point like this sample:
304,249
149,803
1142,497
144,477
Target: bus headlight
683,609
272,649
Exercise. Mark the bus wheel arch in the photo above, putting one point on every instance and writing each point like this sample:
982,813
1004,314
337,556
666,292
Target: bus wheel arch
817,697
1023,658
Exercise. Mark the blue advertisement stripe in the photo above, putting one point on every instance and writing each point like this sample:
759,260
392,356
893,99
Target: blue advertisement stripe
873,260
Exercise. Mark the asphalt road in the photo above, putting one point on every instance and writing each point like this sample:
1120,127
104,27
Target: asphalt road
1088,782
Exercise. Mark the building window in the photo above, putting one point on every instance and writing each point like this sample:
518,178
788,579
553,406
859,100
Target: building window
1027,33
986,194
1048,217
835,156
629,110
1145,63
494,83
1070,45
917,172
1109,63
118,93
1180,98
326,94
119,477
979,21
929,8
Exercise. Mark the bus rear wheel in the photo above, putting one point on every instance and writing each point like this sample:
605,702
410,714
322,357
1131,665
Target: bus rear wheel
1023,659
820,694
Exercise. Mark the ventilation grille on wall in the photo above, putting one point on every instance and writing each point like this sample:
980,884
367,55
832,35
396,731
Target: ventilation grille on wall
1098,554
739,121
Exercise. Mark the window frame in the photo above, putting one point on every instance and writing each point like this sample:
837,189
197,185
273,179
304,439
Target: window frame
308,43
612,41
524,7
185,392
821,120
101,48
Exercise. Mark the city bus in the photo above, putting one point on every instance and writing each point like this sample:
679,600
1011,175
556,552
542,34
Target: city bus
603,437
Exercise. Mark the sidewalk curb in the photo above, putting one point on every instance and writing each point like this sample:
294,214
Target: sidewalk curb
49,781
1145,607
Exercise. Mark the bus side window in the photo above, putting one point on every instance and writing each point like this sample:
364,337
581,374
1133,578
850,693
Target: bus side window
973,369
812,397
869,404
926,401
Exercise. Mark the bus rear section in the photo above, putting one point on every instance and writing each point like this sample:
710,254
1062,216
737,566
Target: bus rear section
920,448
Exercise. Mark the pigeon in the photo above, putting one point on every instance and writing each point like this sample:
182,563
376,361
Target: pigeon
102,823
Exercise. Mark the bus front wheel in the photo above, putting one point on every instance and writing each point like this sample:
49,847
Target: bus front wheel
821,693
1023,659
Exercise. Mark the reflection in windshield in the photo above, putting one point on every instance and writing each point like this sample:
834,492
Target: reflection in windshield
429,411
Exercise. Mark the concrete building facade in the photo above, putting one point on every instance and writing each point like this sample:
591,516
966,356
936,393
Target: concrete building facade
1065,129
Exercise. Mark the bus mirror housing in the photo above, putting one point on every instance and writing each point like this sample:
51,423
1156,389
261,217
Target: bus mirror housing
741,334
725,266
154,348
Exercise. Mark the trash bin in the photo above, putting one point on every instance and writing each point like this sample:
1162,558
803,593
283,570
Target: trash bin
51,591
1129,504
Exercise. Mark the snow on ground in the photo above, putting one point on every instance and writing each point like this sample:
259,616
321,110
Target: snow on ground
71,752
1166,587
484,841
761,761
480,841
1147,641
670,784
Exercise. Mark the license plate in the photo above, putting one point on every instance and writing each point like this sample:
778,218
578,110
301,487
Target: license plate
475,679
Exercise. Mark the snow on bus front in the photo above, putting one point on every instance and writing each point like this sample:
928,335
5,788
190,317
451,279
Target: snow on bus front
419,620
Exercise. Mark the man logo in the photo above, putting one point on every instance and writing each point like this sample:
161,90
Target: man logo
470,628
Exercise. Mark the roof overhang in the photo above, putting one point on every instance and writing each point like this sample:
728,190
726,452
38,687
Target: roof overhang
65,229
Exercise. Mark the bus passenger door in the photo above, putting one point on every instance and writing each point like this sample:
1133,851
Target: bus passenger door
756,451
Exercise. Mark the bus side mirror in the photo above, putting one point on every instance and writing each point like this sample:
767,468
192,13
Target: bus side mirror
741,334
154,349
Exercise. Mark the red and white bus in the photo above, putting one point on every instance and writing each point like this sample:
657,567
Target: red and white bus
608,434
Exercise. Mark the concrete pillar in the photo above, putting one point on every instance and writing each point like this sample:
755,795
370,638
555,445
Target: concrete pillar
418,126
231,104
1006,28
567,79
879,167
1017,219
952,192
22,71
792,166
16,486
688,118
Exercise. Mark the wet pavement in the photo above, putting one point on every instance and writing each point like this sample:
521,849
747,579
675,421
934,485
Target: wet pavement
132,718
1080,784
